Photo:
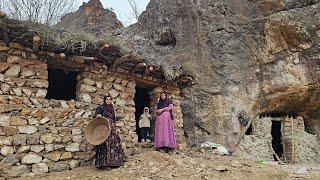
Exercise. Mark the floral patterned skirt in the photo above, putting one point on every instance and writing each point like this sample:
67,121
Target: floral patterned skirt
110,153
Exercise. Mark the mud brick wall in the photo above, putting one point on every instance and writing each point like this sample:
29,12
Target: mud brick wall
38,135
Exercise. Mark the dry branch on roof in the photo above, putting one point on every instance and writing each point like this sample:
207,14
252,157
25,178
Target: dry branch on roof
80,46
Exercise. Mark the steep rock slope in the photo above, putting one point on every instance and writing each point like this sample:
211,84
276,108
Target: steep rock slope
92,18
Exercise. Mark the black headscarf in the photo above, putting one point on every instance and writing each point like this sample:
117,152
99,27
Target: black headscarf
109,109
165,103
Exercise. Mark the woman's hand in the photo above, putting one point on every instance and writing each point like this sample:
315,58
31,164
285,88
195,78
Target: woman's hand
159,111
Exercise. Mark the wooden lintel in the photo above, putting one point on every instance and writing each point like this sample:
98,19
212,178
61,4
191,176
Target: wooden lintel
65,65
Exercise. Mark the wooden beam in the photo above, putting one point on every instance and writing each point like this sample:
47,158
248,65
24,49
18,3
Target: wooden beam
240,137
138,66
64,65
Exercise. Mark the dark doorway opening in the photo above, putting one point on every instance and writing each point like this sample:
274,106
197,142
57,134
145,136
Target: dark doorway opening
62,84
277,138
142,100
249,130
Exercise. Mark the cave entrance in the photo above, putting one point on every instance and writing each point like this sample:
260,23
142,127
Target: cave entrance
142,100
62,84
277,145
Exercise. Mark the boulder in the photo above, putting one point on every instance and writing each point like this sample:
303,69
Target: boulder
54,156
11,160
13,59
33,121
131,84
53,130
78,114
120,103
28,129
99,85
57,167
68,122
66,155
88,81
23,149
1,77
41,83
6,141
19,139
130,103
3,67
27,92
48,138
107,86
74,164
58,147
16,171
37,148
76,131
113,93
118,87
33,139
17,91
36,103
31,159
44,120
87,114
5,88
27,73
86,98
7,150
49,147
73,147
64,105
13,71
87,88
42,93
18,121
4,120
10,131
77,139
40,168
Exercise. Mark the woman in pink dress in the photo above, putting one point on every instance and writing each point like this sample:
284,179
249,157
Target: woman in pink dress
164,127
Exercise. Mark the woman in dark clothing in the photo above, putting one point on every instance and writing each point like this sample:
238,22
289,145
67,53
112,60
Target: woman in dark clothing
109,153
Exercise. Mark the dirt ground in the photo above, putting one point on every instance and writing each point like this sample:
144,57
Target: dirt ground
191,164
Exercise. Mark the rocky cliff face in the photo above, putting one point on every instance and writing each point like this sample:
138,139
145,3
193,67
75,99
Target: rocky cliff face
258,57
252,56
93,18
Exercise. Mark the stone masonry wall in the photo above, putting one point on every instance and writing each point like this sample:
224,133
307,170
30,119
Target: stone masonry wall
258,146
38,135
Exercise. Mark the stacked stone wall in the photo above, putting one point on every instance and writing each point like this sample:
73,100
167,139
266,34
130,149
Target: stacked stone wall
38,135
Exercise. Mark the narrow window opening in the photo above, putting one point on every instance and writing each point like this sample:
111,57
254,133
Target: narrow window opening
62,84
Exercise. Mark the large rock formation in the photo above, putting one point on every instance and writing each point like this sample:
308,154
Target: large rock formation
252,56
256,57
93,18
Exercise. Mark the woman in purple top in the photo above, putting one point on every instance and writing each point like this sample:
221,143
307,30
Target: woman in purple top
164,127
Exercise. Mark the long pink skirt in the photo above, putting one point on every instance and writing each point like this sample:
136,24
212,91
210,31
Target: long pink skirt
164,132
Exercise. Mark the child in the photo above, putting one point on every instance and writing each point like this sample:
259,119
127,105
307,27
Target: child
144,124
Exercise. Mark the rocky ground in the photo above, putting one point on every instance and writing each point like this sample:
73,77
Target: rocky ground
191,164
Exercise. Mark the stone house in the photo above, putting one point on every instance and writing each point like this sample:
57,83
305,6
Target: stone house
48,94
281,134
